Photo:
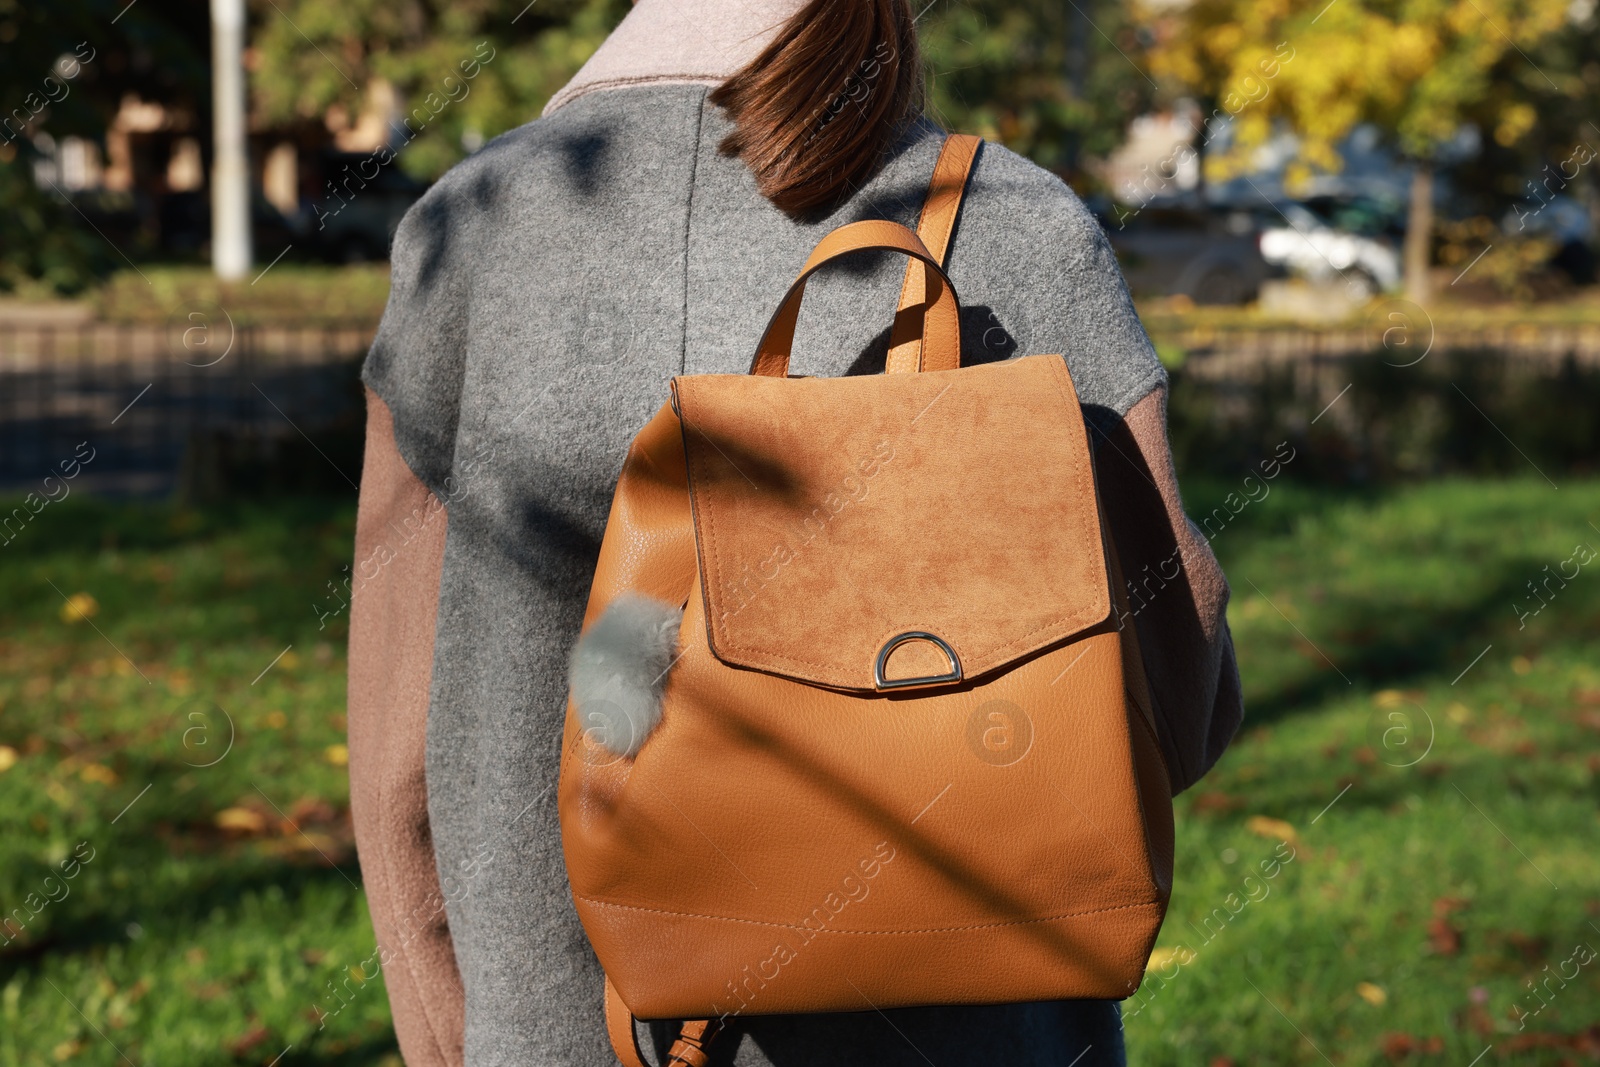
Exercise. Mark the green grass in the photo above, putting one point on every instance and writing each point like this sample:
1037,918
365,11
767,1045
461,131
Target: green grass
1405,926
1165,315
181,941
1458,807
287,294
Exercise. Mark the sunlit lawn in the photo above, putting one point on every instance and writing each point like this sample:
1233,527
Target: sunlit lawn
1439,808
218,907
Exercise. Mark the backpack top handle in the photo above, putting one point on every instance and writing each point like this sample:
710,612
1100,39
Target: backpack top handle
941,340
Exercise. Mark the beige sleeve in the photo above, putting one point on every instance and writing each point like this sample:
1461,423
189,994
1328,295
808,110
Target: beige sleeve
1176,592
400,534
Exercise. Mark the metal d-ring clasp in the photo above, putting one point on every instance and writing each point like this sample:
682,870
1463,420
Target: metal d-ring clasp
880,682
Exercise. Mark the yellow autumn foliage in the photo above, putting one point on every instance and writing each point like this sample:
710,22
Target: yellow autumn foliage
1417,70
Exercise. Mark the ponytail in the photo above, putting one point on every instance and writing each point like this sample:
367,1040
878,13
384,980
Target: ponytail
816,112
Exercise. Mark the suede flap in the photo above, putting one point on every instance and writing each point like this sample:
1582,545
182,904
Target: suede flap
833,515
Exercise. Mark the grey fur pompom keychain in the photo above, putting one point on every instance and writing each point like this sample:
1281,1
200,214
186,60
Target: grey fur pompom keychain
619,668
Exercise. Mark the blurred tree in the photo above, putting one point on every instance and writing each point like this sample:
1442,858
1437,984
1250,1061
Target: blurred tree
1518,181
64,67
503,59
1055,81
1418,69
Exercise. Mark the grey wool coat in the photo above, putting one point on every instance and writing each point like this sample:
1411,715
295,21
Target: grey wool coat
544,293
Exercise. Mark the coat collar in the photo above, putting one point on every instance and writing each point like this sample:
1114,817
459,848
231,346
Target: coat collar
698,42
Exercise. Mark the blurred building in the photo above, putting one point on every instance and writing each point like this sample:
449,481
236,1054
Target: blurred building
147,187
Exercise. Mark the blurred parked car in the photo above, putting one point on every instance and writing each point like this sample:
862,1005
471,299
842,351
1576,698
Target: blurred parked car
359,223
1565,221
1355,240
1209,256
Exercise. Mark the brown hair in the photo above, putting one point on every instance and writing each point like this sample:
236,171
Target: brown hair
815,113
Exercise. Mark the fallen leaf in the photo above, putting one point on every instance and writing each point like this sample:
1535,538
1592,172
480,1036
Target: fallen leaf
1444,937
338,755
308,810
1163,956
1216,800
277,720
98,772
80,607
248,1040
1268,827
8,758
311,841
1396,1046
1399,1046
241,819
1530,947
1586,1041
1389,698
1521,664
1372,994
1476,1019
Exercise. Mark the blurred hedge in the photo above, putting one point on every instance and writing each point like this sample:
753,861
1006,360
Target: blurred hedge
1456,412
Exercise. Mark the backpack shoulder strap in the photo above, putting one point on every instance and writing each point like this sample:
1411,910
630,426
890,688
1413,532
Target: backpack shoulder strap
934,226
688,1051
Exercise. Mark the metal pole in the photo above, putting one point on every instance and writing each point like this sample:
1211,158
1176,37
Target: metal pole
1077,77
230,168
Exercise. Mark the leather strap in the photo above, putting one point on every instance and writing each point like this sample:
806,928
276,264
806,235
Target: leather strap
934,226
942,322
1133,671
690,1050
619,1027
693,1041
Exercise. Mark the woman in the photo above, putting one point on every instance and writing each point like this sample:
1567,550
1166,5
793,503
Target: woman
544,291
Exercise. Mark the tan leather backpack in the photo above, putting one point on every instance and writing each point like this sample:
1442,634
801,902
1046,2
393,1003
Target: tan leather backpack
900,750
